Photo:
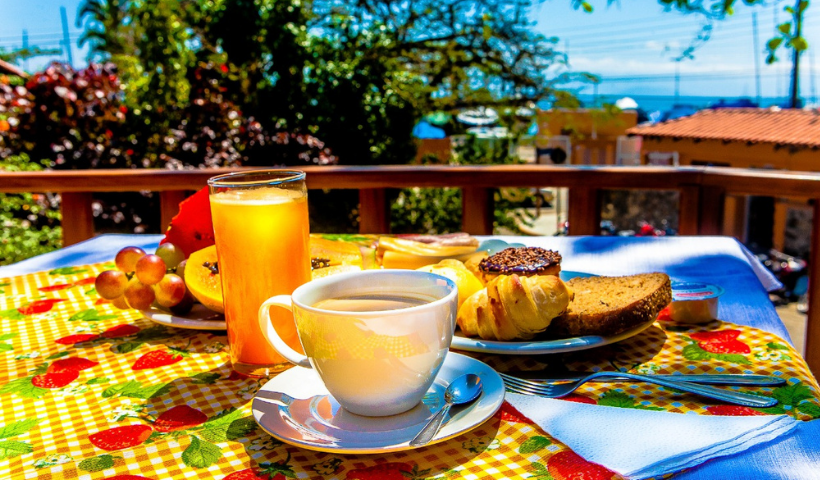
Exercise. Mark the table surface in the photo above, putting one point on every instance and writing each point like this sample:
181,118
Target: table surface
718,260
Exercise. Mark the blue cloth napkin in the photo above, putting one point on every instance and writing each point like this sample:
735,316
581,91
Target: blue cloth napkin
643,444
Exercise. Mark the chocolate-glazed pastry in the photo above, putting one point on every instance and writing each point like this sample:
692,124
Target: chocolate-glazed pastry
523,261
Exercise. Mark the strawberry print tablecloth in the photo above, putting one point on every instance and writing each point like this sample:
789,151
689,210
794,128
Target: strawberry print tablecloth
88,391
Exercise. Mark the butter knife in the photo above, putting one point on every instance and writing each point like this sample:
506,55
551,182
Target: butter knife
711,379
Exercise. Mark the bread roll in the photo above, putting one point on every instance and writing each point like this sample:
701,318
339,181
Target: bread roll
513,307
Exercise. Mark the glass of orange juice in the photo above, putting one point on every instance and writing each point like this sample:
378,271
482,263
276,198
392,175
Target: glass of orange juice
261,229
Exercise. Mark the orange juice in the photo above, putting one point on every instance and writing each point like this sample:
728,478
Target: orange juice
262,246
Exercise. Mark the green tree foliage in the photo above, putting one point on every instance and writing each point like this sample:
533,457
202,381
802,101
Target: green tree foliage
356,73
788,34
427,210
29,223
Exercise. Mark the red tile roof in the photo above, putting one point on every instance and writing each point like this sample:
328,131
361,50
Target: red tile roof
750,125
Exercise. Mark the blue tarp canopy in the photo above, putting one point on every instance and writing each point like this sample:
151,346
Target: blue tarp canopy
426,130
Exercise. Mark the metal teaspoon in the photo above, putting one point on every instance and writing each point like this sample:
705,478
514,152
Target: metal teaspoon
463,389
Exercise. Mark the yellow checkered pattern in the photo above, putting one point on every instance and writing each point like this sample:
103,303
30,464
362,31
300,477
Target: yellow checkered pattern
48,437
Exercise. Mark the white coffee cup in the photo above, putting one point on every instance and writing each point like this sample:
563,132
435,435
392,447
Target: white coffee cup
374,363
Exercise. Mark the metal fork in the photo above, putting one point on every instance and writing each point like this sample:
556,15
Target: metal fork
526,387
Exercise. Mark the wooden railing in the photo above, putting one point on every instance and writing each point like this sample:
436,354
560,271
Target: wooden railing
702,195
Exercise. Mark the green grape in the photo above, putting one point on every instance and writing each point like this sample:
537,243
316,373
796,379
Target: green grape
126,259
150,269
181,268
170,290
170,254
138,295
110,284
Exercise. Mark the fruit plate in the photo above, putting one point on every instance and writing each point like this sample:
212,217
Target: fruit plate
541,347
199,318
296,408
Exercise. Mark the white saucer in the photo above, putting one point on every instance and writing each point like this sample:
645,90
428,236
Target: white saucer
295,407
199,318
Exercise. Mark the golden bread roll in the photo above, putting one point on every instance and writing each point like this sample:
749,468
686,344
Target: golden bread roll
466,282
472,264
513,307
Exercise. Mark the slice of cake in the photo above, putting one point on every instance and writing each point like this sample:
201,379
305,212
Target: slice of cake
608,306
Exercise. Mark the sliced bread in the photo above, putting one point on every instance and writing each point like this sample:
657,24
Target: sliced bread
608,306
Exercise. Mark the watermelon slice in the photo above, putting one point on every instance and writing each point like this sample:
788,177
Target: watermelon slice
192,228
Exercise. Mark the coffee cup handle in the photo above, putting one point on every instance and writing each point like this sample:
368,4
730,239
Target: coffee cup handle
273,337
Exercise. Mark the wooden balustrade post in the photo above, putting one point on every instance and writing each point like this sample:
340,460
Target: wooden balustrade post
689,210
78,220
712,201
374,216
477,210
584,211
813,317
169,201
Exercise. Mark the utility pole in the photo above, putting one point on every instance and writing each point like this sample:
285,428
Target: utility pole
777,80
66,39
757,57
25,48
794,94
677,80
811,78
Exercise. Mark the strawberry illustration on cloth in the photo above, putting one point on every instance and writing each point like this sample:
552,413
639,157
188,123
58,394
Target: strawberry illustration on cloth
721,341
382,471
48,377
121,437
159,358
720,345
568,465
732,411
178,418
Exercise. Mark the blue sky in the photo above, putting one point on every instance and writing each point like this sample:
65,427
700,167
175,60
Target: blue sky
622,41
636,38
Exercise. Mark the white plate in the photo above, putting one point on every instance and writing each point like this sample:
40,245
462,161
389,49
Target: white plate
296,408
540,347
199,318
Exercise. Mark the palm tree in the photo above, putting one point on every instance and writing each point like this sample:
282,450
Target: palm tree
105,26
